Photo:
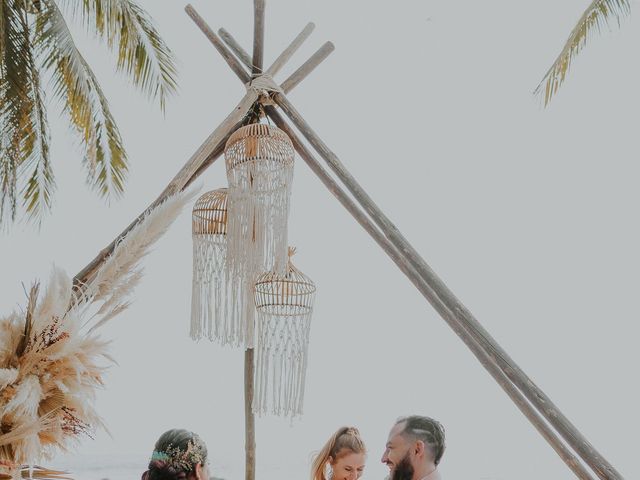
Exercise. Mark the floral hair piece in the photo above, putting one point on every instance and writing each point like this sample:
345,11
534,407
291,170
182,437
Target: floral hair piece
185,460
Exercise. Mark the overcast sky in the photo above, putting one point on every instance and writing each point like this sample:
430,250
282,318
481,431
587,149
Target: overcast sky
530,215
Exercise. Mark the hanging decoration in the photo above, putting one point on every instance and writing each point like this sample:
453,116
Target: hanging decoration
284,304
215,306
259,162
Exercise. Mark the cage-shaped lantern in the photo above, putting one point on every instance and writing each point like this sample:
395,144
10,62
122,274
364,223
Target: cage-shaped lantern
215,307
284,305
259,162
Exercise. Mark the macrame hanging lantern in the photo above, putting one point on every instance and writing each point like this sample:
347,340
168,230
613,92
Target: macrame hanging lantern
259,162
215,307
284,305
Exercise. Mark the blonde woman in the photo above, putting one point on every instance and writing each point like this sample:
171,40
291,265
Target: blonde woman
341,458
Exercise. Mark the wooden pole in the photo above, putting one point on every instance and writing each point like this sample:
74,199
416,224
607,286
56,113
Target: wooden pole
296,77
249,361
307,67
258,37
249,418
217,43
405,266
293,47
235,48
472,327
206,153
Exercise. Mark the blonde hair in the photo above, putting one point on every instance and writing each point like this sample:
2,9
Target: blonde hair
345,438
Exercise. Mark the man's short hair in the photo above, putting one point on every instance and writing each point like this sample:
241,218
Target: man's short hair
426,429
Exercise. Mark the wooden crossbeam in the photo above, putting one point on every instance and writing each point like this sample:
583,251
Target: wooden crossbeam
307,67
288,52
236,48
205,154
296,77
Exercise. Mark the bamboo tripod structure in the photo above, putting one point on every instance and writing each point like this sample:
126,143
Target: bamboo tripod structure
538,408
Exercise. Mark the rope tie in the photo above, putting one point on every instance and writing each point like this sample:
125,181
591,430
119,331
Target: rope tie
264,85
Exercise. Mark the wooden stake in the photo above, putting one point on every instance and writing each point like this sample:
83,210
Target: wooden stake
217,43
249,363
235,48
307,67
405,266
249,418
258,37
291,49
207,153
472,327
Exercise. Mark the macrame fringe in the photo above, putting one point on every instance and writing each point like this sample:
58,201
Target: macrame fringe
259,193
215,307
258,209
281,363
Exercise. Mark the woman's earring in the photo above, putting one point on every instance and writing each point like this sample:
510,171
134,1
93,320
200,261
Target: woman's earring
328,471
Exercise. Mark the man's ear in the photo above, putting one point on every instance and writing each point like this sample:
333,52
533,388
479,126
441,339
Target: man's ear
418,448
200,472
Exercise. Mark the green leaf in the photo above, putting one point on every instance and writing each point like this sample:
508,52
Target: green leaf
142,54
75,84
24,134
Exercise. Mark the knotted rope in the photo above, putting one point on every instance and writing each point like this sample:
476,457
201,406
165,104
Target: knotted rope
264,85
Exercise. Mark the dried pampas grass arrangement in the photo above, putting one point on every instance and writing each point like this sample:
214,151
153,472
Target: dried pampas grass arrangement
51,359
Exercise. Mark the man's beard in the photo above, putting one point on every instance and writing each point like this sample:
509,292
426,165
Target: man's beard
404,470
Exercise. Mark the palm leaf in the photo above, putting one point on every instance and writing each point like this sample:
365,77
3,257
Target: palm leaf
38,190
23,132
75,84
142,54
598,15
2,30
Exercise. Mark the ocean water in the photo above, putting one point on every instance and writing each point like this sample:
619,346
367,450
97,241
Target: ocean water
119,467
131,467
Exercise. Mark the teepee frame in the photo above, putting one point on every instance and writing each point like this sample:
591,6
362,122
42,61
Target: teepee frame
263,94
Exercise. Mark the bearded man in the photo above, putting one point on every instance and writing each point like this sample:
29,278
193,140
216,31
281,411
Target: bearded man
414,449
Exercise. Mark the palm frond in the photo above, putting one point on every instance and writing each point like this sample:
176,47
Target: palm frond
75,84
38,190
129,30
598,15
1,32
24,133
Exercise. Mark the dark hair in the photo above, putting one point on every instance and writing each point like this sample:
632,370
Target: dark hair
175,456
428,430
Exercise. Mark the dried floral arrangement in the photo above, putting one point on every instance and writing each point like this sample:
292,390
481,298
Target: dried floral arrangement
52,360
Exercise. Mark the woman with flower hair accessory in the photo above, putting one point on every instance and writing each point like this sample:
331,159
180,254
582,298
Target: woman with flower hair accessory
178,455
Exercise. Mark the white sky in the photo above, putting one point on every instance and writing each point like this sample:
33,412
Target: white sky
529,215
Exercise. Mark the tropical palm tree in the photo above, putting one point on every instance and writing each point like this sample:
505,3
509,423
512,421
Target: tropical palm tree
36,44
599,14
